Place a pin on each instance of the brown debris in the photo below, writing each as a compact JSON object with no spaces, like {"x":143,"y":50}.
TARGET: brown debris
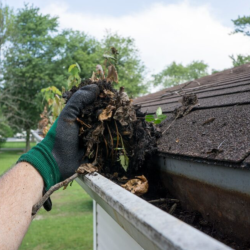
{"x":189,"y":99}
{"x":43,"y":123}
{"x":188,"y":103}
{"x":209,"y":121}
{"x":86,"y":168}
{"x":106,"y":113}
{"x":111,"y":132}
{"x":112,"y":74}
{"x":108,"y":93}
{"x":137,"y":186}
{"x":215,"y":151}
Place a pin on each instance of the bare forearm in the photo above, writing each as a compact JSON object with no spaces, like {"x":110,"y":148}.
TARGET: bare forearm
{"x":20,"y":189}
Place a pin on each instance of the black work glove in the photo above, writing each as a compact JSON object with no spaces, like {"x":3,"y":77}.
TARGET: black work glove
{"x":59,"y":154}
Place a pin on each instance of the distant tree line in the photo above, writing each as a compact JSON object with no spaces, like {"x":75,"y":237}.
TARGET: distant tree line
{"x":35,"y":55}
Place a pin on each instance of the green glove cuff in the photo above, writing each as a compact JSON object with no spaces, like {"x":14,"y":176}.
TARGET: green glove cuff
{"x":42,"y":159}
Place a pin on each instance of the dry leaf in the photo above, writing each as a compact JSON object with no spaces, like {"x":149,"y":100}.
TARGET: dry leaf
{"x":93,"y":77}
{"x":125,"y":115}
{"x":99,"y":71}
{"x":115,"y":175}
{"x":124,"y":97}
{"x":112,"y":74}
{"x":86,"y":168}
{"x":106,"y":113}
{"x":94,"y":138}
{"x":137,"y":186}
{"x":108,"y":93}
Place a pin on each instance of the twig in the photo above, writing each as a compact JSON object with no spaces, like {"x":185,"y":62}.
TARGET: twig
{"x":111,"y":138}
{"x":112,"y":143}
{"x":39,"y":204}
{"x":172,"y":209}
{"x":117,"y":133}
{"x":221,"y":144}
{"x":173,"y":200}
{"x":169,"y":126}
{"x":106,"y":144}
{"x":83,"y":123}
{"x":158,"y":200}
{"x":96,"y":153}
{"x":164,"y":200}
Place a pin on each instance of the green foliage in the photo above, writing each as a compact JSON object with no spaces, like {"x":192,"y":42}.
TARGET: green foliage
{"x":124,"y":160}
{"x":239,"y":60}
{"x":214,"y":71}
{"x":8,"y":159}
{"x":129,"y":67}
{"x":78,"y":47}
{"x":18,"y":145}
{"x":74,"y":78}
{"x":175,"y":74}
{"x":53,"y":97}
{"x":6,"y":24}
{"x":49,"y":93}
{"x":31,"y":63}
{"x":109,"y":57}
{"x":242,"y":25}
{"x":5,"y":129}
{"x":157,"y":118}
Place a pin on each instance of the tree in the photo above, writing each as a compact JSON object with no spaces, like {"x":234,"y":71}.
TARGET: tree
{"x":175,"y":74}
{"x":242,"y":25}
{"x":6,"y":31}
{"x":29,"y":65}
{"x":129,"y":66}
{"x":239,"y":60}
{"x":6,"y":25}
{"x":5,"y":129}
{"x":80,"y":48}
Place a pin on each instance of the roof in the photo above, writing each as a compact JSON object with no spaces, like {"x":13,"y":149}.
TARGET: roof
{"x":218,"y":126}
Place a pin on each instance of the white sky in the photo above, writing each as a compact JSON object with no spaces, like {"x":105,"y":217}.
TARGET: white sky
{"x":163,"y":33}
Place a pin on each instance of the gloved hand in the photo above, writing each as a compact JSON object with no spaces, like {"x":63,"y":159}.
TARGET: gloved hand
{"x":59,"y":154}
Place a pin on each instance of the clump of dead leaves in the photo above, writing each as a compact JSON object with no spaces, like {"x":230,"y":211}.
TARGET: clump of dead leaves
{"x":115,"y":135}
{"x":138,"y":186}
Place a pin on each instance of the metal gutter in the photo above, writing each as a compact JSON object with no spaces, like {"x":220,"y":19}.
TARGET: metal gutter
{"x":206,"y":161}
{"x":220,"y":193}
{"x":149,"y":226}
{"x":36,"y":135}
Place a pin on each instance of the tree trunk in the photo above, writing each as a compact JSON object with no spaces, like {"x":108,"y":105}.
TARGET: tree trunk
{"x":27,"y":140}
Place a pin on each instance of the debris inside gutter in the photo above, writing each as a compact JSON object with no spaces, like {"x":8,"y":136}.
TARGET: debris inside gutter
{"x":159,"y":197}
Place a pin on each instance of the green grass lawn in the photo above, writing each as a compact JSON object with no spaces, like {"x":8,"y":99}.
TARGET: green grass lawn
{"x":68,"y":226}
{"x":15,"y":144}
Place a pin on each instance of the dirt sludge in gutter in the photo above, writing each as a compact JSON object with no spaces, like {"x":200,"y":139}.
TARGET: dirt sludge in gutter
{"x":158,"y":197}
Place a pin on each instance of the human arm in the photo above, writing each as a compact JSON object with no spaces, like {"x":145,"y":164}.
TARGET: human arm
{"x":20,"y":188}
